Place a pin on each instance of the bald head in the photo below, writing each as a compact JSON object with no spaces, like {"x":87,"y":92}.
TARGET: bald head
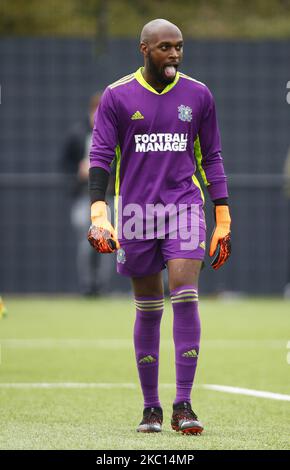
{"x":161,"y":44}
{"x":155,"y":29}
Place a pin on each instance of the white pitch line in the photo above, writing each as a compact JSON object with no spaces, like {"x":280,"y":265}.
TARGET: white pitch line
{"x":49,"y":343}
{"x":76,"y":385}
{"x":111,"y":343}
{"x":247,"y":391}
{"x":134,"y":386}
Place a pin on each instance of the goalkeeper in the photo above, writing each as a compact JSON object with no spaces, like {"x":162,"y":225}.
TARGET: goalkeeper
{"x":161,"y":126}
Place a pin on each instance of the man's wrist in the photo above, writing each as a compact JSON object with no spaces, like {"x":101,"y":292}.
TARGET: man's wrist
{"x":98,"y":183}
{"x":98,"y":209}
{"x":224,"y":201}
{"x":222,"y":215}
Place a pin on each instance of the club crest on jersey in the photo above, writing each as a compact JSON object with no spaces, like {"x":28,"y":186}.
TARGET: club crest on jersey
{"x":121,"y":257}
{"x":184,"y":113}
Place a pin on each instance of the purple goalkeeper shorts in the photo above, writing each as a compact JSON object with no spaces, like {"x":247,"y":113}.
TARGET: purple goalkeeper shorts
{"x":143,"y":257}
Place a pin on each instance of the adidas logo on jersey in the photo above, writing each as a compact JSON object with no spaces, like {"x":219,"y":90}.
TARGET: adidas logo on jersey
{"x":137,"y":115}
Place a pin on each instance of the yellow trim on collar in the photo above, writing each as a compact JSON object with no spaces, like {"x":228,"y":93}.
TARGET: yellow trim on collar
{"x":139,"y":77}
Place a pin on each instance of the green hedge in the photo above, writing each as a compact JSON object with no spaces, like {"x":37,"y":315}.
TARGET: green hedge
{"x":197,"y":18}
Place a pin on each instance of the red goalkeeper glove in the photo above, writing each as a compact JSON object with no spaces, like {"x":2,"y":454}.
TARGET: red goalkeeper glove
{"x":102,"y":235}
{"x":220,"y":244}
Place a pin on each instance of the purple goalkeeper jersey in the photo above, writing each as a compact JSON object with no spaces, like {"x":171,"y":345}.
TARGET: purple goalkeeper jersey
{"x":159,"y":141}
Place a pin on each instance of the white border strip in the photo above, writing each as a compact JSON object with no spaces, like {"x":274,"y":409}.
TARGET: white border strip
{"x":247,"y":391}
{"x":134,"y":386}
{"x":111,"y":343}
{"x":76,"y":385}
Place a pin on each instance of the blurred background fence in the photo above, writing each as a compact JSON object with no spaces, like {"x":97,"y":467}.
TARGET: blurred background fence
{"x":45,"y":88}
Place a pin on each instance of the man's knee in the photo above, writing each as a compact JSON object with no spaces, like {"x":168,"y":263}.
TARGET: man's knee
{"x":148,"y":285}
{"x":183,"y":272}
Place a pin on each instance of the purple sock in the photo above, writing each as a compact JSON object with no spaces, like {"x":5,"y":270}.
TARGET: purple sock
{"x":186,"y":335}
{"x":146,"y":341}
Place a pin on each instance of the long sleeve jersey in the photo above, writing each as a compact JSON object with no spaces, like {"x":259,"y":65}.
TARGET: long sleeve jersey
{"x":159,"y":141}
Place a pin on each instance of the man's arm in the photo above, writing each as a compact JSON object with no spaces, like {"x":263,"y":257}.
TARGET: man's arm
{"x":207,"y":149}
{"x":101,"y":234}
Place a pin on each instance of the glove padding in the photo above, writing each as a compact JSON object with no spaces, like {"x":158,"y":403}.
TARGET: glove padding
{"x":101,"y":234}
{"x":102,"y":240}
{"x":220,"y":245}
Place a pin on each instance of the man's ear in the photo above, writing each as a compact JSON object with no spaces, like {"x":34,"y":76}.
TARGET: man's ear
{"x":144,"y":48}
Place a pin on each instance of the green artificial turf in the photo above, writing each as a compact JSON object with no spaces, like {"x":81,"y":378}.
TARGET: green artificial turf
{"x":78,"y":341}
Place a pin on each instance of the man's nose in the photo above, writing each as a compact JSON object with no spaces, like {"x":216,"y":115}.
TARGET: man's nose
{"x":173,"y":53}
